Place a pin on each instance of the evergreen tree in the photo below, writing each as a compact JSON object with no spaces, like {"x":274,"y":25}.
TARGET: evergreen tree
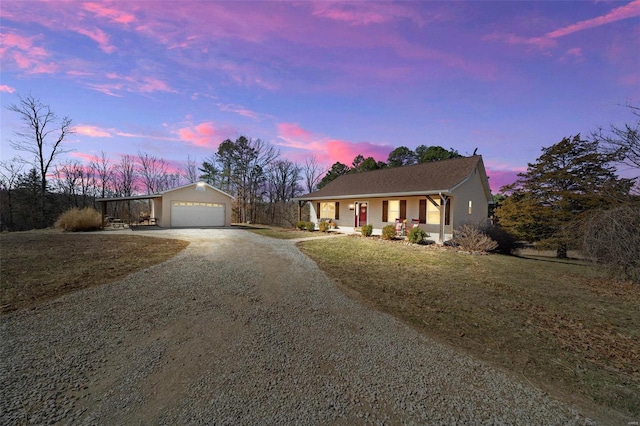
{"x":337,"y":169}
{"x":401,"y":156}
{"x":569,"y":179}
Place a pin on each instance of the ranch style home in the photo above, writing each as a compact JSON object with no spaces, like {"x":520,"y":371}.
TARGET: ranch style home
{"x":194,"y":205}
{"x":435,"y":196}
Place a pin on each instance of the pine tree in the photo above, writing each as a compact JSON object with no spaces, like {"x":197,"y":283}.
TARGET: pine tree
{"x":569,"y":179}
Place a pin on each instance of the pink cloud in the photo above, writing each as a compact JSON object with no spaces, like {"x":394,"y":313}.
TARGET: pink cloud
{"x":630,"y":10}
{"x":114,"y":15}
{"x":204,"y":135}
{"x":92,"y":131}
{"x":23,"y":53}
{"x":292,"y":131}
{"x":345,"y":152}
{"x":119,"y":83}
{"x":6,"y":89}
{"x":327,"y":150}
{"x":98,"y":36}
{"x":356,"y":13}
{"x":242,"y":111}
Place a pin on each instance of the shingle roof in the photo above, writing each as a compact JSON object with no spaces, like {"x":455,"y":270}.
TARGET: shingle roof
{"x":416,"y":179}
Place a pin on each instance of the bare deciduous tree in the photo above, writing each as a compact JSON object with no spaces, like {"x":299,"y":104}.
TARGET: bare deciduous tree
{"x":190,"y":171}
{"x":125,"y":177}
{"x":153,"y":171}
{"x":312,"y":173}
{"x":103,"y":172}
{"x":9,"y":175}
{"x":43,"y":137}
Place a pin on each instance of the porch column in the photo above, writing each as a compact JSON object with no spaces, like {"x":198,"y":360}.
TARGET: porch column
{"x":443,"y":216}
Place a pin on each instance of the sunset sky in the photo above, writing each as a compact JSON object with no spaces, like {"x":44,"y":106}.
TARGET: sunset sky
{"x":330,"y":79}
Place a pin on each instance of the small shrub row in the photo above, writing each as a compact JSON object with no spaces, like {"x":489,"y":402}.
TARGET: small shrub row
{"x":305,"y":226}
{"x":78,"y":220}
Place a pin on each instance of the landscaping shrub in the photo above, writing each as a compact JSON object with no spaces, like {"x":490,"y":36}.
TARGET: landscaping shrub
{"x":471,"y":238}
{"x":75,"y":219}
{"x":311,"y":226}
{"x":367,"y":230}
{"x":323,"y":226}
{"x":611,"y":238}
{"x":301,"y":225}
{"x":506,"y":241}
{"x":417,"y":235}
{"x":388,"y":232}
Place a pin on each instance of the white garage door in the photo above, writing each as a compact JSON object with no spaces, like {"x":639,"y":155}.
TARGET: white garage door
{"x":194,"y":213}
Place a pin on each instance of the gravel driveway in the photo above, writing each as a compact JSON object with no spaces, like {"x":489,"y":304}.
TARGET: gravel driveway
{"x":242,"y":329}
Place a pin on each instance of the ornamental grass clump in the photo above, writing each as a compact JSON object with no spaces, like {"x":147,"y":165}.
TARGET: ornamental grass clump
{"x":367,"y":230}
{"x":471,"y":238}
{"x":388,"y":232}
{"x":78,"y":220}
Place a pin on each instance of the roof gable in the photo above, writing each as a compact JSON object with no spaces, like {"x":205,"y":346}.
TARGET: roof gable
{"x":196,"y":184}
{"x":433,"y":177}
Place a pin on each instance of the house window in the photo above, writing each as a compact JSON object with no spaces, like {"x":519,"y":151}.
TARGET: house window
{"x":433,"y":212}
{"x":393,"y":210}
{"x":470,"y":207}
{"x":328,"y":210}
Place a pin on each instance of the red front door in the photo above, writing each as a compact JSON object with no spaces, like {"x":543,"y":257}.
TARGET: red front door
{"x":362,"y":218}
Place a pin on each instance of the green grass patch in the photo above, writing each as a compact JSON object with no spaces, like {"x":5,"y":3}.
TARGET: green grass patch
{"x":562,"y":326}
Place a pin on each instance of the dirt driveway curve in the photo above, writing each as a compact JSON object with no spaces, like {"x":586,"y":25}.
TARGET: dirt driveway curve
{"x":242,"y":329}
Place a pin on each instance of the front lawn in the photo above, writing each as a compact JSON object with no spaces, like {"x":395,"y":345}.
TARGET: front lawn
{"x":562,"y":326}
{"x":41,"y":265}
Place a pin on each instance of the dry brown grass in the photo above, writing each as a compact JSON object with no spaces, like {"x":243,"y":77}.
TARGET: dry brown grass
{"x":561,"y":326}
{"x":40,"y":265}
{"x":77,"y":220}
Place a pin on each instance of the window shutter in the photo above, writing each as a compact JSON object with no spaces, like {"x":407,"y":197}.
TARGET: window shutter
{"x":385,"y":207}
{"x":423,"y":211}
{"x":403,"y":209}
{"x":337,"y":210}
{"x":317,"y":210}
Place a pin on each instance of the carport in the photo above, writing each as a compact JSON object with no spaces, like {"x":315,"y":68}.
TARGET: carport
{"x":193,"y":205}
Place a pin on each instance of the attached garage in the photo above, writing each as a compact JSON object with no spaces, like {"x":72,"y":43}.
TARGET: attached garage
{"x":194,"y":213}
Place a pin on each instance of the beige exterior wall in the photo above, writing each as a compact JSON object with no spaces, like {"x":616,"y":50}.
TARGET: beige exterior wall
{"x":470,"y":191}
{"x":190,"y":193}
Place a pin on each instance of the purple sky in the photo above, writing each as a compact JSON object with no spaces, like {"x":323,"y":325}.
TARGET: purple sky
{"x":330,"y":79}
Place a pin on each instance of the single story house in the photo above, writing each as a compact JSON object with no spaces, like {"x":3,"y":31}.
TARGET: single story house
{"x":193,"y":205}
{"x":435,"y":196}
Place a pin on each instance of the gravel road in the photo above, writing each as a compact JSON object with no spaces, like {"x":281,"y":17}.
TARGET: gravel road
{"x":242,"y":329}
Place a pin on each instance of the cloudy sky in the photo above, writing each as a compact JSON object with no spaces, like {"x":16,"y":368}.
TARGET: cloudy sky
{"x":329,"y":79}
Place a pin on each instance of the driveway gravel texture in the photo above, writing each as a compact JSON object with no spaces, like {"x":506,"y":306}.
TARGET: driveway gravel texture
{"x":243,"y":329}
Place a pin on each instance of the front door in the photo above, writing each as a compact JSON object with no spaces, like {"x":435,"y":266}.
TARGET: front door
{"x":362,"y":217}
